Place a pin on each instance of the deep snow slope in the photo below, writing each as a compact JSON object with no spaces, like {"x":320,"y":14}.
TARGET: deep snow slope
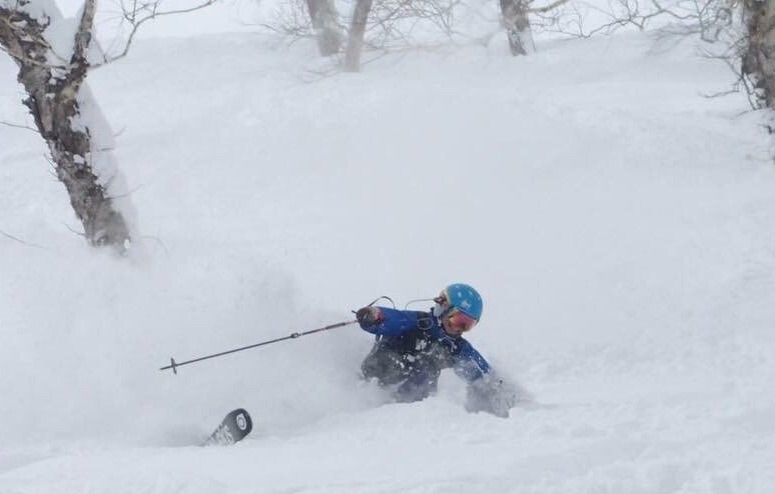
{"x":617,"y":222}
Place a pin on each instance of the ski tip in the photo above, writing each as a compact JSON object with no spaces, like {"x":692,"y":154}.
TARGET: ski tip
{"x":233,"y":428}
{"x":243,"y":420}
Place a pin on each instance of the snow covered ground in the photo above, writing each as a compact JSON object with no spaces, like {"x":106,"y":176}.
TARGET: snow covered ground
{"x":617,"y":222}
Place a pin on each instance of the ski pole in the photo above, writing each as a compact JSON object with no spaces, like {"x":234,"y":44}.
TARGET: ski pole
{"x":174,"y":365}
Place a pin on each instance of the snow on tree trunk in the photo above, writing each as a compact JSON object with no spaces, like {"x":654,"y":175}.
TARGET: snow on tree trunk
{"x":352,"y":60}
{"x":517,"y":24}
{"x":52,"y":55}
{"x":324,"y":22}
{"x":758,"y":61}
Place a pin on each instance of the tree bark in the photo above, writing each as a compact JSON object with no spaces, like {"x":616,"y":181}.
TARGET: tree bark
{"x":758,"y":61}
{"x":515,"y":19}
{"x":352,"y":60}
{"x":323,"y":15}
{"x":54,"y":100}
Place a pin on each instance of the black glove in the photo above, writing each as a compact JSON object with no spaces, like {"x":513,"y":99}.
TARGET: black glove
{"x":368,"y":316}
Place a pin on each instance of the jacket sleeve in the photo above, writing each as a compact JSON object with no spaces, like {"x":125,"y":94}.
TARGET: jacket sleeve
{"x":394,"y":322}
{"x":469,"y":364}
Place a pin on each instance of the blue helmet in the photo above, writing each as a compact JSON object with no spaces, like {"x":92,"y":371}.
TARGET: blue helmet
{"x":461,"y":297}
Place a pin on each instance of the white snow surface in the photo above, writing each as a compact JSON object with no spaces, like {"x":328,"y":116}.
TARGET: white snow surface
{"x":617,"y":222}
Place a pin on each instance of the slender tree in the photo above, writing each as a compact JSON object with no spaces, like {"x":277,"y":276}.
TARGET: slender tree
{"x":325,"y":23}
{"x":758,"y":58}
{"x":515,"y":19}
{"x":352,"y":56}
{"x":53,"y":73}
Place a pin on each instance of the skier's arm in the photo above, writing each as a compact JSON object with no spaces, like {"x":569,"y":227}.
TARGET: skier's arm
{"x":384,"y":321}
{"x":487,"y":392}
{"x":469,"y":364}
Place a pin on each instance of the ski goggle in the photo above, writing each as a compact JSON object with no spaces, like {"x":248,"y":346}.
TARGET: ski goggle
{"x":459,"y":321}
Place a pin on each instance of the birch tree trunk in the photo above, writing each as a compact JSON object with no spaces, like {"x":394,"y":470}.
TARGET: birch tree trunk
{"x":324,"y":22}
{"x":352,"y":60}
{"x":66,"y":115}
{"x":758,"y":61}
{"x":515,"y":19}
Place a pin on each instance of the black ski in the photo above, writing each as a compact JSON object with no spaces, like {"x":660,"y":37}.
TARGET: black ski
{"x":233,"y":428}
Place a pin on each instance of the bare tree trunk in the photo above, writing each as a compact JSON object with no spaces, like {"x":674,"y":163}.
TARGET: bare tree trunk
{"x":324,"y":22}
{"x":758,"y":61}
{"x":352,"y":60}
{"x":517,"y":24}
{"x":55,"y":96}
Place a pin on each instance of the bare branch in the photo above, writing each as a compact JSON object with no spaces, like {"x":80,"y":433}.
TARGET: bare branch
{"x":546,"y":8}
{"x":134,"y":16}
{"x":158,"y":241}
{"x":17,"y":239}
{"x":127,"y":194}
{"x":17,"y":126}
{"x":73,"y":230}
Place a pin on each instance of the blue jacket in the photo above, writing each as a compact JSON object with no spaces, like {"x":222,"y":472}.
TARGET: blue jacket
{"x":405,"y":331}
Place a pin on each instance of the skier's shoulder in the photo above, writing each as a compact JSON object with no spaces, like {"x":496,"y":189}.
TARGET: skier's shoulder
{"x":389,"y":313}
{"x":395,"y":322}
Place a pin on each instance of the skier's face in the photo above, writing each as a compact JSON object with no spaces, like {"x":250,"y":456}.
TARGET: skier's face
{"x":456,"y":323}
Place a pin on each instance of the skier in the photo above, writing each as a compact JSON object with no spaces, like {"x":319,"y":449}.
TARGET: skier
{"x":413,"y":347}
